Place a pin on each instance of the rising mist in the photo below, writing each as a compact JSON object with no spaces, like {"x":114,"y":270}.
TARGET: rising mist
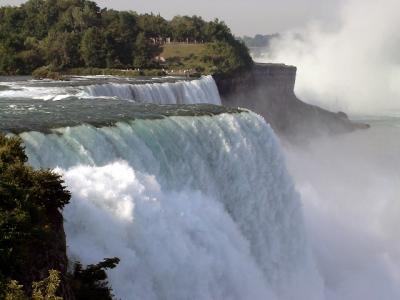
{"x":350,"y":190}
{"x":352,"y":64}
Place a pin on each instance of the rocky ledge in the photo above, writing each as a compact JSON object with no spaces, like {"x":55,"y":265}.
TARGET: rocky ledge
{"x":268,"y":89}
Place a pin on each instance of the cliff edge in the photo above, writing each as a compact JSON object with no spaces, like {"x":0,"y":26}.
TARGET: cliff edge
{"x":268,"y":89}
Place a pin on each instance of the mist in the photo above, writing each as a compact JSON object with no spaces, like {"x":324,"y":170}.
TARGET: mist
{"x":350,"y":184}
{"x":350,"y":190}
{"x":351,"y":64}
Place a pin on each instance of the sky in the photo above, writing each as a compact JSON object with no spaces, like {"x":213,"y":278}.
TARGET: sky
{"x":247,"y":17}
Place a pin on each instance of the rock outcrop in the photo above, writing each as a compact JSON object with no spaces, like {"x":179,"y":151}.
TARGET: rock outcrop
{"x":268,"y":89}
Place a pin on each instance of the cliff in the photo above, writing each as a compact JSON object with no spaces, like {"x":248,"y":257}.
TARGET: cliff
{"x":268,"y":89}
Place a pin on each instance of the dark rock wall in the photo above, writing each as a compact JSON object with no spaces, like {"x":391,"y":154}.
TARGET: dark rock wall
{"x":268,"y":89}
{"x":45,"y":256}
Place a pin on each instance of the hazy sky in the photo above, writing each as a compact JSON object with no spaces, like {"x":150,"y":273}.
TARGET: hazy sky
{"x":243,"y":16}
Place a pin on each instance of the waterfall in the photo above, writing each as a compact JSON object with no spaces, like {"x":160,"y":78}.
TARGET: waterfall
{"x":203,"y":90}
{"x":195,"y":207}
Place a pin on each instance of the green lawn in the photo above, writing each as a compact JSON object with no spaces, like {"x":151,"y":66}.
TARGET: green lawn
{"x":181,"y":57}
{"x":182,"y":50}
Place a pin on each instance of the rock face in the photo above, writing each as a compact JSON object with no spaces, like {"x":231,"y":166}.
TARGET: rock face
{"x":268,"y":89}
{"x":50,"y":256}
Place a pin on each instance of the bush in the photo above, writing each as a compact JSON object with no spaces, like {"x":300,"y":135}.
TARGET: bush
{"x":46,"y":73}
{"x":42,"y":290}
{"x":227,"y":58}
{"x":29,"y":215}
{"x":32,"y":236}
{"x":91,"y":283}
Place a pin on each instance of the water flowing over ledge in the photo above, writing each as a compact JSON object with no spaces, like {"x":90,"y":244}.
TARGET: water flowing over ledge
{"x":196,"y":207}
{"x":203,"y":90}
{"x":160,"y":90}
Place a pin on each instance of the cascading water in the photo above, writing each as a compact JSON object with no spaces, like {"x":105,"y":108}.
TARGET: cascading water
{"x":156,"y":91}
{"x":195,"y":207}
{"x":203,"y":90}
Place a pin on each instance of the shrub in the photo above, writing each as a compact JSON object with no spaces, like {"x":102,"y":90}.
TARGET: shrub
{"x":46,"y":73}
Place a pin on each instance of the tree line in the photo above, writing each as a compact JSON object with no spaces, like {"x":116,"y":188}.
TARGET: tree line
{"x":63,"y":34}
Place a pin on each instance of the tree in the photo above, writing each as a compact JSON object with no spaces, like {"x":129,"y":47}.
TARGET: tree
{"x":31,"y":234}
{"x":120,"y":33}
{"x":153,"y":26}
{"x":145,"y":52}
{"x":182,"y":28}
{"x":8,"y":61}
{"x":61,"y":49}
{"x":92,"y":48}
{"x":91,"y":283}
{"x":217,"y":31}
{"x":30,"y":216}
{"x":228,"y":58}
{"x":54,"y":35}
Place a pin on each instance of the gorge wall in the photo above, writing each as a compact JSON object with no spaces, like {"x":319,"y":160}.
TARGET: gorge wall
{"x":268,"y":89}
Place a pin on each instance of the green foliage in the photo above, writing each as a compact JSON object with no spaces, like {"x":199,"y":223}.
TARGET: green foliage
{"x":61,"y":49}
{"x":41,"y":290}
{"x":120,"y":30}
{"x":92,"y":48}
{"x":29,"y":212}
{"x":47,"y":288}
{"x":91,"y":283}
{"x":153,"y":26}
{"x":227,"y":58}
{"x":46,"y":72}
{"x":87,"y":283}
{"x":29,"y":200}
{"x":14,"y":291}
{"x":8,"y":61}
{"x":144,"y":52}
{"x":65,"y":34}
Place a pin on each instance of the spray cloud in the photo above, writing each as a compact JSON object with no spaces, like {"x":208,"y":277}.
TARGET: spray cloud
{"x":352,"y":66}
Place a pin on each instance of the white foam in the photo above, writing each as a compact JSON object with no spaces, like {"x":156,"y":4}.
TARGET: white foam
{"x":172,"y":245}
{"x":202,"y":207}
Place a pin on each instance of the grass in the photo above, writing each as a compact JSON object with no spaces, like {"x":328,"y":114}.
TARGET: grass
{"x":180,"y":57}
{"x":182,"y":50}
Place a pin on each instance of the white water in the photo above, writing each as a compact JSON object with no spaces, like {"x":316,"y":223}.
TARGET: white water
{"x":195,"y":207}
{"x":39,"y":92}
{"x":203,"y":90}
